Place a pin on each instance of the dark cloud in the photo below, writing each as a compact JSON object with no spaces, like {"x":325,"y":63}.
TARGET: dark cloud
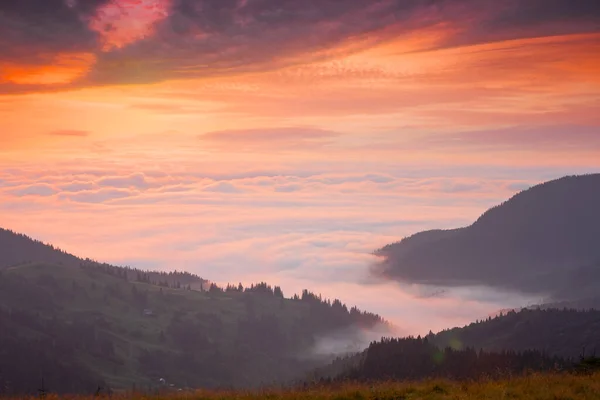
{"x":216,"y":37}
{"x":33,"y":30}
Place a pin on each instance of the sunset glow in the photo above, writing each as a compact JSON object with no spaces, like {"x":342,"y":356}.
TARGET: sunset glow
{"x":284,"y":141}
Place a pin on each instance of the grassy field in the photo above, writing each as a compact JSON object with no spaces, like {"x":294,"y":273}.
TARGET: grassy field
{"x":533,"y":387}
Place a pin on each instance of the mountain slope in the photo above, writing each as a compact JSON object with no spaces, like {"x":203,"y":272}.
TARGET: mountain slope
{"x":417,"y":358}
{"x":545,"y":240}
{"x":18,"y":249}
{"x":95,"y":324}
{"x":564,"y":333}
{"x":542,"y":336}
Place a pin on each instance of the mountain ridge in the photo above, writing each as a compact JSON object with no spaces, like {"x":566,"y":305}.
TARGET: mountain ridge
{"x":96,"y":324}
{"x":543,"y":240}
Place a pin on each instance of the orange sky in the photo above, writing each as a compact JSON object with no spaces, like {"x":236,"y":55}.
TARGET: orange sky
{"x":290,"y":138}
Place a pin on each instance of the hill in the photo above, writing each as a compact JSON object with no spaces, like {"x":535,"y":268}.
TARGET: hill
{"x":417,"y":358}
{"x":530,"y":338}
{"x":543,"y":241}
{"x":18,"y":249}
{"x":566,"y":333}
{"x":79,"y":324}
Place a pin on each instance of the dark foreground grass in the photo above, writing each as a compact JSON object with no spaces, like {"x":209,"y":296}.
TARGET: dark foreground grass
{"x":532,"y":387}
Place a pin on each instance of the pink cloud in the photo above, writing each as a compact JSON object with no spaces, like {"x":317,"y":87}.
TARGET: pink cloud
{"x":122,"y":22}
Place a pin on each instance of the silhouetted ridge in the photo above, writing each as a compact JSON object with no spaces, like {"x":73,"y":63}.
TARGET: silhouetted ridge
{"x":543,"y":241}
{"x":16,"y":248}
{"x":561,"y":332}
{"x":417,"y":358}
{"x":511,"y":342}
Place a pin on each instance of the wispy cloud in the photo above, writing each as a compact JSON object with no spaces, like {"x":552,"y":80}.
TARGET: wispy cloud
{"x":269,"y":139}
{"x":70,"y":132}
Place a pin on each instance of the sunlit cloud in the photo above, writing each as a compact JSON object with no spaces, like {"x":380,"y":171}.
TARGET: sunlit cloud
{"x":121,"y":22}
{"x":56,"y":69}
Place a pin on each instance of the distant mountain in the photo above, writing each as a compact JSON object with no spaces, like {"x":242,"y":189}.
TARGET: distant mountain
{"x":417,"y":358}
{"x":543,"y":241}
{"x":557,"y":332}
{"x":78,"y":324}
{"x":510,"y":342}
{"x":18,"y":249}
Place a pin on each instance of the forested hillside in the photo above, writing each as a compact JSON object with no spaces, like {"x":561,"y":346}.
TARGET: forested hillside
{"x":533,"y":339}
{"x":417,"y":358}
{"x":542,"y":241}
{"x":563,"y":333}
{"x":80,"y":326}
{"x":18,"y":249}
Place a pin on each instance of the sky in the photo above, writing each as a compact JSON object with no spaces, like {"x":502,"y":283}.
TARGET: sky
{"x":284,"y":140}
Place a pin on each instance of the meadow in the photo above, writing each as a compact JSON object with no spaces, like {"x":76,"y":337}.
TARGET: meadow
{"x":554,"y":386}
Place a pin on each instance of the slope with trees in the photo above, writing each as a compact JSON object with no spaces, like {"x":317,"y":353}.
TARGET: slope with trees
{"x":101,"y":325}
{"x":417,"y":358}
{"x":566,"y":333}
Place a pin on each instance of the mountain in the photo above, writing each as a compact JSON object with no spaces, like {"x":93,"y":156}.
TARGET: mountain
{"x":543,"y":241}
{"x":79,"y":325}
{"x":537,"y":339}
{"x":411,"y":359}
{"x":18,"y":249}
{"x":557,"y":332}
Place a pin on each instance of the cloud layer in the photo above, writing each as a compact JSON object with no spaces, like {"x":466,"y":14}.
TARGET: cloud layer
{"x":318,"y":233}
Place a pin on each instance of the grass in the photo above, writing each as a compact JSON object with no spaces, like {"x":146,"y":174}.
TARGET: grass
{"x":532,"y":387}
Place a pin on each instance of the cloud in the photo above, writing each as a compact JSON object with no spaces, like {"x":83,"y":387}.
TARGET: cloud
{"x":560,"y":137}
{"x":137,"y":181}
{"x":319,"y":238}
{"x":269,"y":139}
{"x":518,"y":186}
{"x":97,"y":196}
{"x":341,"y":179}
{"x":223,"y":187}
{"x":40,"y":189}
{"x":186,"y":38}
{"x":70,"y":133}
{"x":288,"y":188}
{"x":77,"y":186}
{"x":168,"y":108}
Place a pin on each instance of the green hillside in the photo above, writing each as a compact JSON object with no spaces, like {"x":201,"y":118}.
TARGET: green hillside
{"x":94,"y":326}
